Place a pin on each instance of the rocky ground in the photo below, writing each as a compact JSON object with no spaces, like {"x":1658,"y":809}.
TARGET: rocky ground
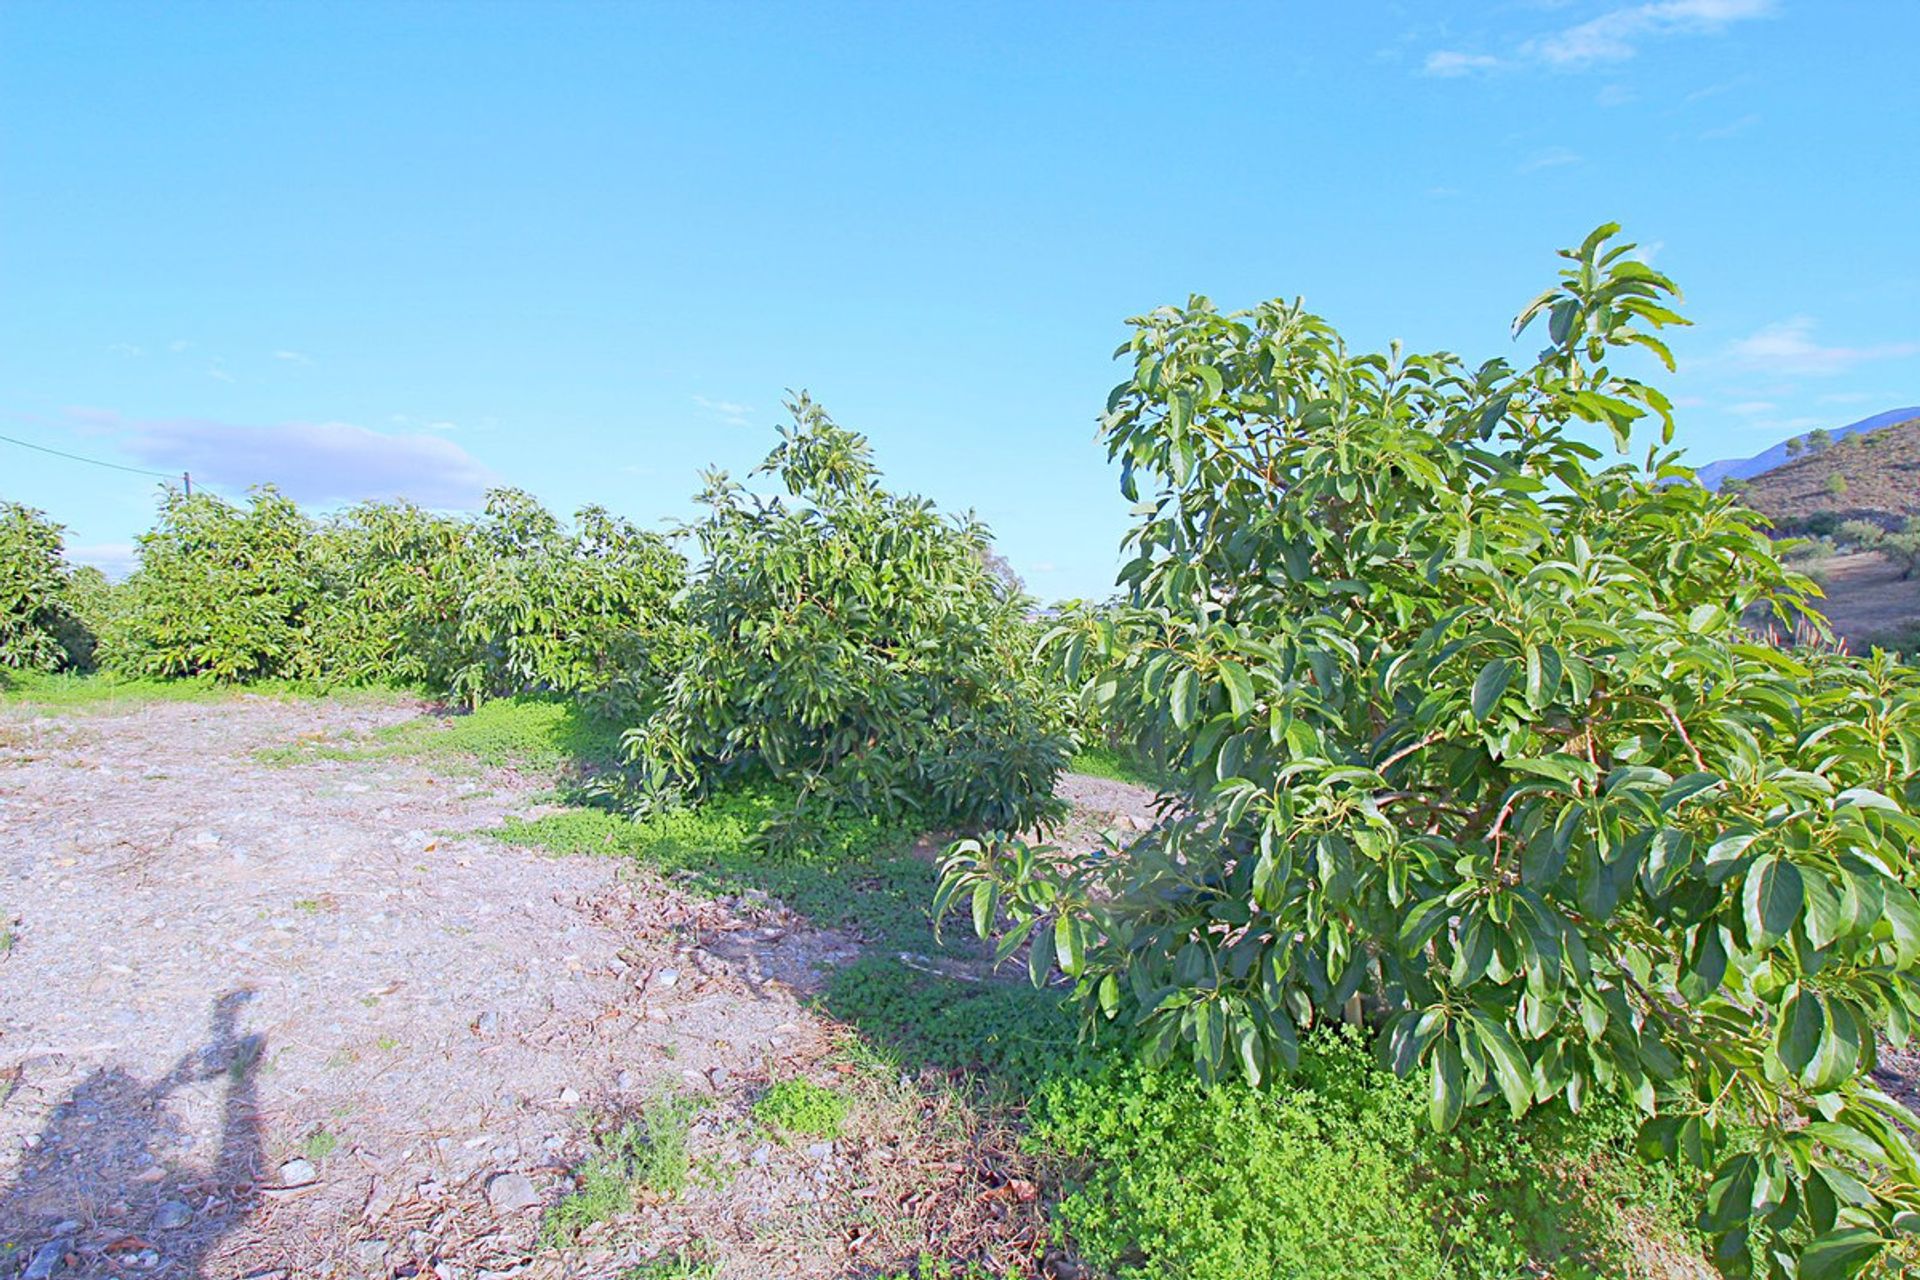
{"x":261,"y":1020}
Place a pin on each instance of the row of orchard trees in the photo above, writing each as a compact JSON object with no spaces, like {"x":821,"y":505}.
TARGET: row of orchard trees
{"x":853,"y":643}
{"x":510,"y":601}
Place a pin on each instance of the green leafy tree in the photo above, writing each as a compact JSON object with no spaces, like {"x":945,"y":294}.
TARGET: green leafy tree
{"x":1837,"y":485}
{"x":1477,"y":750}
{"x":1818,"y":440}
{"x":857,"y":645}
{"x":221,"y":591}
{"x":1796,"y":447}
{"x":512,"y":602}
{"x":40,"y":625}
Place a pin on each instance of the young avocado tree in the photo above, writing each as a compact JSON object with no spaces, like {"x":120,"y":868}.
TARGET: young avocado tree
{"x":858,"y":646}
{"x":1476,"y":747}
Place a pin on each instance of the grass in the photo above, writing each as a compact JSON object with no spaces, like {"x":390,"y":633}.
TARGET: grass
{"x":532,"y":733}
{"x":319,"y":1145}
{"x":688,"y":1262}
{"x":1118,"y":765}
{"x":647,"y":1153}
{"x":69,"y":691}
{"x":800,"y":1106}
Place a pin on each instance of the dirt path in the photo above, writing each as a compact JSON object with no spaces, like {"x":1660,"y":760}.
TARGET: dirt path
{"x":259,"y":1020}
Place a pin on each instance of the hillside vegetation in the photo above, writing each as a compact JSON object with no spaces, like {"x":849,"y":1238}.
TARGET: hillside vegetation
{"x":1869,"y":476}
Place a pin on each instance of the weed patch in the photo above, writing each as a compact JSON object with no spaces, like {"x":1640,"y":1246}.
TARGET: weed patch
{"x":647,"y":1154}
{"x":800,"y":1106}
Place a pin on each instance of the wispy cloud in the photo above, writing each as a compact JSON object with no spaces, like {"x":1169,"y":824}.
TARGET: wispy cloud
{"x":178,"y":345}
{"x":1789,"y":347}
{"x":1731,"y":129}
{"x":1615,"y":95}
{"x":728,"y":411}
{"x":1452,"y":62}
{"x":1748,"y":408}
{"x":1612,"y":37}
{"x":127,"y":349}
{"x":313,"y":462}
{"x":1551,"y":158}
{"x":219,"y":374}
{"x":293,"y":357}
{"x":1617,"y":35}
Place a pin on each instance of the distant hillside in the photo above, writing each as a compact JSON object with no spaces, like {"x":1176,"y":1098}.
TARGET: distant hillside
{"x":1743,"y":468}
{"x":1878,"y":479}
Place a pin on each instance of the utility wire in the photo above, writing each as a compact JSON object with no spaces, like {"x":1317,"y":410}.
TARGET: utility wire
{"x":139,"y":471}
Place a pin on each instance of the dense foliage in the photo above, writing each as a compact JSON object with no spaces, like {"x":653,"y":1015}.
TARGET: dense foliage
{"x":1337,"y":1174}
{"x":222,"y":591}
{"x":1476,"y":747}
{"x":857,"y":645}
{"x":42,"y":601}
{"x":512,"y":601}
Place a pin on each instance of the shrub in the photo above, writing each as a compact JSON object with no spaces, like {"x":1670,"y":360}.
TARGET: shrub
{"x":222,"y":591}
{"x":42,"y":627}
{"x":1334,"y":1173}
{"x":1477,"y":747}
{"x":856,"y":645}
{"x":1859,"y":533}
{"x":1837,"y":485}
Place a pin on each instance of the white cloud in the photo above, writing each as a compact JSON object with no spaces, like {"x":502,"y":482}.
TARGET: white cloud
{"x":115,"y":559}
{"x":218,"y":374}
{"x":127,"y":349}
{"x":1748,"y":408}
{"x":317,"y":462}
{"x":178,"y":345}
{"x":1551,"y":158}
{"x":728,"y":411}
{"x":1452,"y":62}
{"x":1789,"y":347}
{"x":1649,"y":251}
{"x":1616,"y":35}
{"x":1851,"y":397}
{"x":1615,"y":95}
{"x":1045,"y":566}
{"x":293,"y":357}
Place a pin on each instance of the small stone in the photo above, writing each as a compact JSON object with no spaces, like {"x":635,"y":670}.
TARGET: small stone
{"x":569,"y":1096}
{"x":297,"y":1173}
{"x":368,"y":1253}
{"x":67,"y":1228}
{"x":820,"y":1150}
{"x":666,"y":978}
{"x":719,"y":1076}
{"x":487,"y":1024}
{"x":45,"y":1259}
{"x":511,"y":1192}
{"x":761,"y":1154}
{"x":171,"y":1216}
{"x":626,"y":1082}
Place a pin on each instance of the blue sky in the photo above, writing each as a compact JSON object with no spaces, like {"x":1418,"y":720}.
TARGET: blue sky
{"x":584,"y":248}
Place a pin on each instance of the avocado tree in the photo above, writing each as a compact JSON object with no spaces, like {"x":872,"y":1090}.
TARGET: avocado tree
{"x":859,"y":647}
{"x":1475,"y":747}
{"x":40,"y":629}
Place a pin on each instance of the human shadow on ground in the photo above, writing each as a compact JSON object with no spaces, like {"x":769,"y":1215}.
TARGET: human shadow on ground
{"x":110,"y":1186}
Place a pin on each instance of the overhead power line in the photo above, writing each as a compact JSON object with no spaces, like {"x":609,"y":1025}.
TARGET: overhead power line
{"x":97,"y":462}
